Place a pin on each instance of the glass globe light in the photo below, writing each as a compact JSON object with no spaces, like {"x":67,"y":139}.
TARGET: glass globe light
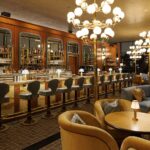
{"x":93,"y":36}
{"x":148,"y":34}
{"x":78,"y":34}
{"x":143,"y":34}
{"x":103,"y":35}
{"x":84,"y":5}
{"x":97,"y":30}
{"x":85,"y":31}
{"x":110,"y":1}
{"x":79,"y":2}
{"x":116,"y":19}
{"x":109,"y":22}
{"x":103,"y":3}
{"x":70,"y":15}
{"x":116,"y":11}
{"x":86,"y":22}
{"x":78,"y":11}
{"x":96,"y":22}
{"x":148,"y":50}
{"x":106,"y":9}
{"x":109,"y":31}
{"x":91,"y":9}
{"x":76,"y":21}
{"x":121,"y":15}
{"x":95,"y":5}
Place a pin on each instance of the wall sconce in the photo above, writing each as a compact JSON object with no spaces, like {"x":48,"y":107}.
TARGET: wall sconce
{"x":25,"y":73}
{"x":98,"y":71}
{"x":58,"y":71}
{"x":81,"y":70}
{"x":110,"y":70}
{"x":135,"y":106}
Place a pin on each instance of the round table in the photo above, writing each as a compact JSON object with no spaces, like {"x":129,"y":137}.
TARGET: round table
{"x":124,"y":121}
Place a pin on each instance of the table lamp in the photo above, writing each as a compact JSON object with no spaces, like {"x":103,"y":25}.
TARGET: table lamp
{"x":81,"y":70}
{"x":110,"y":70}
{"x":120,"y":70}
{"x":98,"y":71}
{"x":25,"y":72}
{"x":58,"y":71}
{"x":135,"y":106}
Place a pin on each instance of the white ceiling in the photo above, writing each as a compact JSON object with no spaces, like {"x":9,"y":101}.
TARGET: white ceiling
{"x":52,"y":13}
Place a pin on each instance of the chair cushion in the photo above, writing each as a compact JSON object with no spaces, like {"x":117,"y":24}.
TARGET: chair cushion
{"x":139,"y":94}
{"x":26,"y":96}
{"x":77,"y":119}
{"x":145,"y":106}
{"x":109,"y":107}
{"x":62,"y":89}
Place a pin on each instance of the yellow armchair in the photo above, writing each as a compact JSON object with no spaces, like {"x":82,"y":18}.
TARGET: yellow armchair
{"x":135,"y":143}
{"x":91,"y":136}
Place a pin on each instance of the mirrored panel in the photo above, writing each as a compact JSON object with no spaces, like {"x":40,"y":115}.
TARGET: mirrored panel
{"x":72,"y":48}
{"x":5,"y":49}
{"x":30,"y":51}
{"x":55,"y":53}
{"x":88,"y":55}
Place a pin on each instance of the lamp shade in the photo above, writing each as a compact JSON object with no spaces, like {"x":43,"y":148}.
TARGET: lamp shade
{"x":81,"y":70}
{"x":135,"y":104}
{"x":25,"y":71}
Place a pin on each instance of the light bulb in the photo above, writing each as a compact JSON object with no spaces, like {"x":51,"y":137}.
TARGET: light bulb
{"x":121,"y":15}
{"x":86,"y":22}
{"x":106,"y":9}
{"x":109,"y":31}
{"x":116,"y":19}
{"x":85,"y":31}
{"x":103,"y":35}
{"x":109,"y":21}
{"x":93,"y":36}
{"x":78,"y":11}
{"x":143,"y":34}
{"x":78,"y":34}
{"x":91,"y":9}
{"x":96,"y":6}
{"x":79,"y":2}
{"x":70,"y":15}
{"x":116,"y":11}
{"x":110,"y":1}
{"x":84,"y":5}
{"x":97,"y":30}
{"x":76,"y":21}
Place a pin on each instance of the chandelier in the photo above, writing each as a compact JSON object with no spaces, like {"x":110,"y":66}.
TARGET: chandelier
{"x":94,"y":27}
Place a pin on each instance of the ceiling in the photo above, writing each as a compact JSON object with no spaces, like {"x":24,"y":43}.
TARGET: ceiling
{"x":52,"y":13}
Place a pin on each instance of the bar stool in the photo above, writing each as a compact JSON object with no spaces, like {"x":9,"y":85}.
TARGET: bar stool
{"x":52,"y":89}
{"x":88,"y":86}
{"x":106,"y":83}
{"x":33,"y":89}
{"x":65,"y":89}
{"x":4,"y":89}
{"x":101,"y":83}
{"x":77,"y":88}
{"x":118,"y":80}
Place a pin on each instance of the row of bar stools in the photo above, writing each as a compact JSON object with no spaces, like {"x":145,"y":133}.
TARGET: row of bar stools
{"x":88,"y":86}
{"x":52,"y":89}
{"x":33,"y":89}
{"x":4,"y":89}
{"x":101,"y":83}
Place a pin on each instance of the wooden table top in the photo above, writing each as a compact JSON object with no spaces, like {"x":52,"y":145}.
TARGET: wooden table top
{"x":124,"y":121}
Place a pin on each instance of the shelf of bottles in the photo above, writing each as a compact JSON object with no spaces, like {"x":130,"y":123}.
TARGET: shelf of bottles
{"x":88,"y":55}
{"x":30,"y":51}
{"x":55,"y":53}
{"x":5,"y":48}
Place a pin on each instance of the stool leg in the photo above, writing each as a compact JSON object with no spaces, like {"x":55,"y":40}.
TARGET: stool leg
{"x":0,"y":117}
{"x":119,"y":87}
{"x":64,"y":103}
{"x":88,"y":96}
{"x":106,"y":91}
{"x":48,"y":107}
{"x":113,"y":88}
{"x":76,"y":98}
{"x":29,"y":116}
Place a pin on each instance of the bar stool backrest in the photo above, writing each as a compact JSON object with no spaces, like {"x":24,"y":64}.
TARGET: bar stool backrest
{"x":102,"y":78}
{"x":110,"y":78}
{"x":80,"y":82}
{"x":34,"y":87}
{"x":4,"y":89}
{"x":92,"y":80}
{"x":117,"y":77}
{"x":124,"y":76}
{"x":68,"y":83}
{"x":53,"y":85}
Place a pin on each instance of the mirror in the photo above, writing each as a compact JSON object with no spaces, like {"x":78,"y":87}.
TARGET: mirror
{"x":30,"y":51}
{"x":55,"y":53}
{"x":5,"y":49}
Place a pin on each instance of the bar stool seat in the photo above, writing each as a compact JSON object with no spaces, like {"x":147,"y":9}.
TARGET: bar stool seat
{"x":4,"y":89}
{"x":33,"y":89}
{"x":52,"y":89}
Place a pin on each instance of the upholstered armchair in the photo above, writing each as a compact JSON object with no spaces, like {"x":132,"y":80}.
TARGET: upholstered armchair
{"x":135,"y":143}
{"x":91,"y":136}
{"x":124,"y":105}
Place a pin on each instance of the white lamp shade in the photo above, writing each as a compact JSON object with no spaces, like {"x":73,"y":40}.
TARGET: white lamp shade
{"x":78,"y":11}
{"x":106,"y":9}
{"x":85,"y":31}
{"x":81,"y":70}
{"x":91,"y":9}
{"x":98,"y":69}
{"x":93,"y":36}
{"x":25,"y":71}
{"x":58,"y":71}
{"x":116,"y":11}
{"x":97,"y":30}
{"x":135,"y":104}
{"x":84,"y":5}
